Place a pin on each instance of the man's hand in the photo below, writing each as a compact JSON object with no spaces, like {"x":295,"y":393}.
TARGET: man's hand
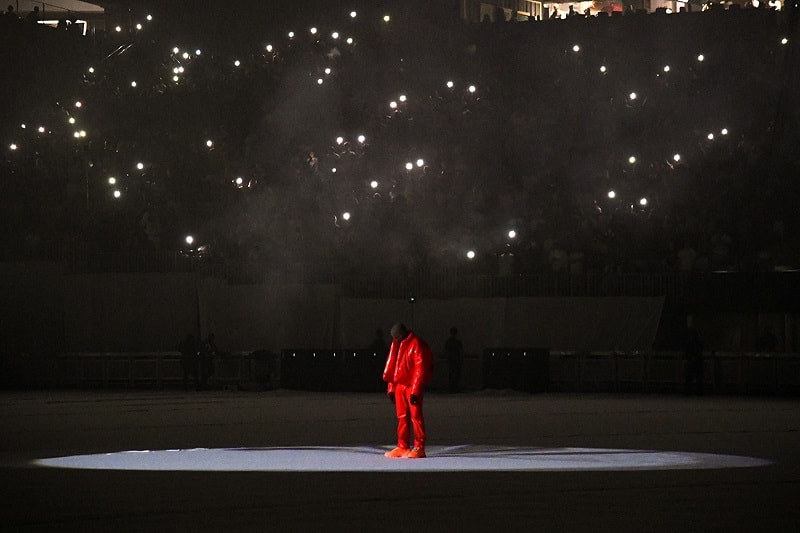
{"x":391,"y":396}
{"x":414,"y":399}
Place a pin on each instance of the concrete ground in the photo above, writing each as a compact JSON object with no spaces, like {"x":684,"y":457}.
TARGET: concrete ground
{"x":568,"y":479}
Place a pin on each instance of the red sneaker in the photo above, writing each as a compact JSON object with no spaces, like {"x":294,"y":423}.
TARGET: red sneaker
{"x":415,"y":453}
{"x":397,"y":453}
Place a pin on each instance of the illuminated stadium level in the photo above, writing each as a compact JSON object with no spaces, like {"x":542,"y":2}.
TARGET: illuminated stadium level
{"x":53,"y":23}
{"x":370,"y":459}
{"x":523,"y":10}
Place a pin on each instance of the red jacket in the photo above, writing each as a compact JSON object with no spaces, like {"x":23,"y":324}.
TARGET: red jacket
{"x":410,"y":363}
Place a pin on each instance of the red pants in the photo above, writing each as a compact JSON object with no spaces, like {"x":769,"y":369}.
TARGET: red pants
{"x":402,"y":402}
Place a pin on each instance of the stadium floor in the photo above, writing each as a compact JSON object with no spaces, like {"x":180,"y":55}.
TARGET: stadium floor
{"x":300,"y":461}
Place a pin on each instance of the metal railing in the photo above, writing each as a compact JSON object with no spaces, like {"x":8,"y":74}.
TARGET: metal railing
{"x":743,"y":373}
{"x":148,"y":369}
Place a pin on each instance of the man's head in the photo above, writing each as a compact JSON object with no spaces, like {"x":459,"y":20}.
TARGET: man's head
{"x":399,"y":331}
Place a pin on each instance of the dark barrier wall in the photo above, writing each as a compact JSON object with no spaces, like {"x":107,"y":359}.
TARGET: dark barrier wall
{"x":523,"y":369}
{"x":45,"y":311}
{"x":332,"y":370}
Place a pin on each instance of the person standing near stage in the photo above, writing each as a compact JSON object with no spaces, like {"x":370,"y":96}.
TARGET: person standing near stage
{"x":693,"y":351}
{"x":408,"y":370}
{"x":378,"y":345}
{"x":190,"y":360}
{"x":208,"y":353}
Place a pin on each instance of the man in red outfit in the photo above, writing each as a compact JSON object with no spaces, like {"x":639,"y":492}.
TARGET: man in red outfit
{"x":408,"y":369}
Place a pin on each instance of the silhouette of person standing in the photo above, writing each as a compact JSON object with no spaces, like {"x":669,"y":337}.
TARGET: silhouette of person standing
{"x":378,"y":344}
{"x":693,"y":351}
{"x":454,"y":353}
{"x":208,"y":352}
{"x":190,"y":360}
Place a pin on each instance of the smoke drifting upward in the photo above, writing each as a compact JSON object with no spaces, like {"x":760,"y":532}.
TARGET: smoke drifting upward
{"x":286,"y":133}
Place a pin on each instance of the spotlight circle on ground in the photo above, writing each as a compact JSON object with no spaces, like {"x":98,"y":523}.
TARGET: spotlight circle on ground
{"x":463,"y":458}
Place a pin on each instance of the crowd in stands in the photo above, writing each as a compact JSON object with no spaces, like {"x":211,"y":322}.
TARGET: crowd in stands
{"x":392,"y":145}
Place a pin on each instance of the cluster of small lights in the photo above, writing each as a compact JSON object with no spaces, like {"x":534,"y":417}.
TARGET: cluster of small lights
{"x":138,"y":26}
{"x":180,"y":59}
{"x":361,"y":139}
{"x":395,"y":104}
{"x":115,"y":192}
{"x":471,"y":89}
{"x":723,"y":132}
{"x":419,"y":164}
